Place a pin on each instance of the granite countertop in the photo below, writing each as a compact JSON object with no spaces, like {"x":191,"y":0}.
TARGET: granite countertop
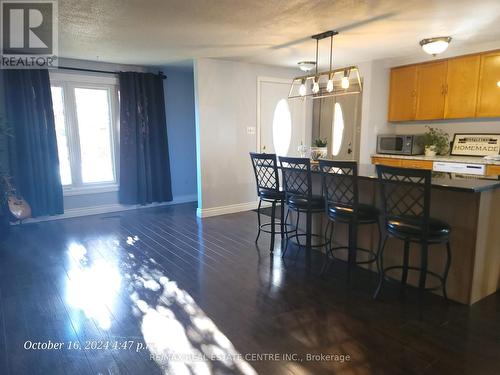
{"x":440,"y":180}
{"x":448,"y":158}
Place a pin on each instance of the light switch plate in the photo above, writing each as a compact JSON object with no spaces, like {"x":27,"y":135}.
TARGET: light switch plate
{"x":251,"y":130}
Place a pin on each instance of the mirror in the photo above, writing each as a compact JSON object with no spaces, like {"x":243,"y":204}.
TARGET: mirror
{"x":338,"y":120}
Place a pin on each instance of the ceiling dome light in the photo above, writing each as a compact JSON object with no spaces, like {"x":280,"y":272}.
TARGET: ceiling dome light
{"x":434,"y":46}
{"x":306,"y":66}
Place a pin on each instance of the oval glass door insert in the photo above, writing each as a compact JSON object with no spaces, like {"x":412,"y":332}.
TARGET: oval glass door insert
{"x":337,"y":130}
{"x":282,"y":128}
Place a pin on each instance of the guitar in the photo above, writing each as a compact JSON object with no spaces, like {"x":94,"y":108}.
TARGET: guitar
{"x":18,"y":207}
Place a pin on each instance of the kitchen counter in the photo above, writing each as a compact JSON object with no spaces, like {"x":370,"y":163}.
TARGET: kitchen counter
{"x":440,"y":180}
{"x":448,"y":158}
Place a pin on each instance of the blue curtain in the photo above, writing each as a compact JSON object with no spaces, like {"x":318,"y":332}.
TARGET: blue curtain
{"x":144,"y":159}
{"x":34,"y":162}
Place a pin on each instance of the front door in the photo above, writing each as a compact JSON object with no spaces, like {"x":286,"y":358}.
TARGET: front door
{"x":282,"y":122}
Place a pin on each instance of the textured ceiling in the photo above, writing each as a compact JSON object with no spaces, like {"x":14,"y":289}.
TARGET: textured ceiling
{"x":274,"y":32}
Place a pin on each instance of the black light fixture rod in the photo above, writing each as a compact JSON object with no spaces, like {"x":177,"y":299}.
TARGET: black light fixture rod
{"x":317,"y":41}
{"x":331,"y":50}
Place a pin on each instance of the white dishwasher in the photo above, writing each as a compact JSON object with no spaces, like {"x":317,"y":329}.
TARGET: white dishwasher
{"x":465,"y":168}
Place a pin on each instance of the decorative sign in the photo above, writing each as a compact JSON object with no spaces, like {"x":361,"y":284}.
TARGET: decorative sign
{"x":476,"y":144}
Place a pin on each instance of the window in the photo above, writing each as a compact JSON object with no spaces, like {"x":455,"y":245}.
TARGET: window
{"x":338,"y":129}
{"x":282,"y":128}
{"x":85,"y":112}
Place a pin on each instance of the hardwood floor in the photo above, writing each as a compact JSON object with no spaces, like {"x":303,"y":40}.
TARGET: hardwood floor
{"x":194,"y":290}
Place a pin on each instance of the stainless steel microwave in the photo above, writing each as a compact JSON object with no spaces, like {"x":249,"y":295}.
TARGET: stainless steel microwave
{"x":400,"y":144}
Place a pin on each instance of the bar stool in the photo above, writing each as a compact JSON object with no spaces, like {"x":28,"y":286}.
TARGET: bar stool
{"x":406,"y":198}
{"x":299,"y":197}
{"x":265,"y":169}
{"x":340,"y":190}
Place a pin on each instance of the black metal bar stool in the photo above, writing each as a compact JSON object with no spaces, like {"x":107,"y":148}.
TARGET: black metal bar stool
{"x":340,"y":190}
{"x":265,"y":169}
{"x":297,"y":183}
{"x":406,"y":199}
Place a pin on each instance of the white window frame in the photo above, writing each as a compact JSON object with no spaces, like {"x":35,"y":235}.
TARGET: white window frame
{"x":68,"y":82}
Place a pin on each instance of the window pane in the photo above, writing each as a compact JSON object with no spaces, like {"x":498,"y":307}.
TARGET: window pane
{"x":94,"y":128}
{"x":62,"y":138}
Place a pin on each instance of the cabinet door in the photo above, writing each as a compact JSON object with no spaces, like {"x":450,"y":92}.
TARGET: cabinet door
{"x":488,"y":102}
{"x":462,"y":84}
{"x":417,"y":164}
{"x":386,"y":161}
{"x":402,"y":93}
{"x":431,"y":80}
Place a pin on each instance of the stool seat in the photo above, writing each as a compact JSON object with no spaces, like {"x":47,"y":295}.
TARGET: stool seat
{"x":302,"y":203}
{"x":411,"y":227}
{"x":345,"y":214}
{"x":271,"y":194}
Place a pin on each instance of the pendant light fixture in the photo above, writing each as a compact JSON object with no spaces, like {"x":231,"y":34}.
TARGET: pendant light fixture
{"x":337,"y":80}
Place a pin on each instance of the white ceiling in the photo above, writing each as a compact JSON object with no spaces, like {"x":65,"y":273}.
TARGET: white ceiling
{"x":274,"y":32}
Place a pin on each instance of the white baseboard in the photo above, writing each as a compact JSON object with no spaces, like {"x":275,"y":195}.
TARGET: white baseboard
{"x":230,"y":209}
{"x":108,"y":208}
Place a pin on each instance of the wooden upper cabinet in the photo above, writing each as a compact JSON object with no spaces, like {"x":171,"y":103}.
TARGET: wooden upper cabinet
{"x":488,"y":101}
{"x":431,"y":86}
{"x":462,"y":83}
{"x":460,"y":87}
{"x":402,"y":97}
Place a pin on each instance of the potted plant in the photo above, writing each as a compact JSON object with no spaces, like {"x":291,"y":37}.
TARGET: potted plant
{"x":320,"y":149}
{"x":436,"y":142}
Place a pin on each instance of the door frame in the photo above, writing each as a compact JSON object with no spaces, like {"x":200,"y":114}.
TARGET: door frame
{"x":260,"y":80}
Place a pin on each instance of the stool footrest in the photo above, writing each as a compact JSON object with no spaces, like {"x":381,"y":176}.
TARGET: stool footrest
{"x":412,"y":268}
{"x":297,"y":235}
{"x":363,"y":250}
{"x":263,"y":228}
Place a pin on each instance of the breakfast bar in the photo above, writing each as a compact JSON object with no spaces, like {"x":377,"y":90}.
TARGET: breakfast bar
{"x":471,"y":206}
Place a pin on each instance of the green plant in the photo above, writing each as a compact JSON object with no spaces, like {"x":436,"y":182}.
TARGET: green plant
{"x":320,"y":142}
{"x":438,"y":139}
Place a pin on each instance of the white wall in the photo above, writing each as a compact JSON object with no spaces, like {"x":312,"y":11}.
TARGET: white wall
{"x":226,"y":103}
{"x":376,"y":95}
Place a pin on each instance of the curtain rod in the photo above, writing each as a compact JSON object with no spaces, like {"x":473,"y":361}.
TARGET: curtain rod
{"x":160,"y":73}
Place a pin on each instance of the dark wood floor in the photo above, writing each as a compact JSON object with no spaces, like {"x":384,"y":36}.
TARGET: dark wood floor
{"x":201,"y":289}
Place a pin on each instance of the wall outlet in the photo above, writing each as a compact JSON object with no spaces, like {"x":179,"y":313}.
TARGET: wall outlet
{"x":250,"y":129}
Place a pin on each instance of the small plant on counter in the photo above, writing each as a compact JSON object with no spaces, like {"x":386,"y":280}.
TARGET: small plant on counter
{"x":436,"y":142}
{"x":320,"y":142}
{"x":320,"y":149}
